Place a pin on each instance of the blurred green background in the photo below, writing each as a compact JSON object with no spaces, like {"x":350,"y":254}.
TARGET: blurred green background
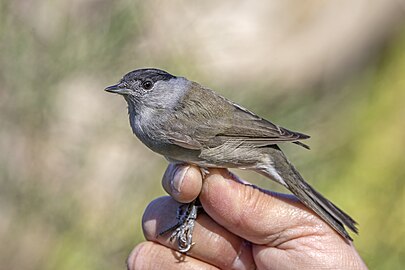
{"x":74,"y":181}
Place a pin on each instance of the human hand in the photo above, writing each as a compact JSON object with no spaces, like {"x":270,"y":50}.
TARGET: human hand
{"x":243,"y":227}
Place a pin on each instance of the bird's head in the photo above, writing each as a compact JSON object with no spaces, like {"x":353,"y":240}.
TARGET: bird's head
{"x":150,"y":87}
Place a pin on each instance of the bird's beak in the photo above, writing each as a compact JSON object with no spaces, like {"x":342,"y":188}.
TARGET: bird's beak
{"x":117,"y":89}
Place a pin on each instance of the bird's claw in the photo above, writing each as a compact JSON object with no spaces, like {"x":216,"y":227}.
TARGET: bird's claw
{"x":183,"y":230}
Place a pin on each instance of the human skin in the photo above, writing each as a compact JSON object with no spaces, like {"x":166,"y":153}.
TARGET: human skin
{"x":242,"y":227}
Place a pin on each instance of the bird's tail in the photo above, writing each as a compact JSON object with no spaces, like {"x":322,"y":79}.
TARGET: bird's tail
{"x":285,"y":173}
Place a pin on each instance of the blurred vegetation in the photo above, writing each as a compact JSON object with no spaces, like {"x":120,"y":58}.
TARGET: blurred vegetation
{"x":74,"y":181}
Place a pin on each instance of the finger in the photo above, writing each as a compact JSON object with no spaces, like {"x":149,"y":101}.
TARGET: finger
{"x":307,"y":254}
{"x":210,"y":239}
{"x":258,"y":216}
{"x":182,"y":182}
{"x":149,"y":255}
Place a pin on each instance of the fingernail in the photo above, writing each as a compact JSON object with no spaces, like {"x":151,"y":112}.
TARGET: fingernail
{"x":177,"y":180}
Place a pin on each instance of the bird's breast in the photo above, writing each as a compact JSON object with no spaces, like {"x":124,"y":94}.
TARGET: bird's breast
{"x":150,"y":131}
{"x":147,"y":128}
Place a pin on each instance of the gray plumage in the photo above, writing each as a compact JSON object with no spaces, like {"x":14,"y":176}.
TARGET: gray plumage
{"x":186,"y":122}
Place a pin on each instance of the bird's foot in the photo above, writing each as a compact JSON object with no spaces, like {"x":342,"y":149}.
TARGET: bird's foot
{"x":183,"y":230}
{"x":204,"y":172}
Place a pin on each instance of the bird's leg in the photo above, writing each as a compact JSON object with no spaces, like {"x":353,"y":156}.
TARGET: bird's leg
{"x":186,"y":216}
{"x":204,"y":172}
{"x":183,"y":230}
{"x":186,"y":222}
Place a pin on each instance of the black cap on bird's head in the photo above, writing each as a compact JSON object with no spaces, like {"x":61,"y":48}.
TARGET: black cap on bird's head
{"x":144,"y":78}
{"x":153,"y":74}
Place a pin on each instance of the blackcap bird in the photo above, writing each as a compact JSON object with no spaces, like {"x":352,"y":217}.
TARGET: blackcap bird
{"x":189,"y":123}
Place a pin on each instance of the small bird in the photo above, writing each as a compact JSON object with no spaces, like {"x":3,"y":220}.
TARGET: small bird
{"x":189,"y":123}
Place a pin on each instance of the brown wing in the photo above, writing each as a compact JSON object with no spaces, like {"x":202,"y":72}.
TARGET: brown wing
{"x":208,"y":120}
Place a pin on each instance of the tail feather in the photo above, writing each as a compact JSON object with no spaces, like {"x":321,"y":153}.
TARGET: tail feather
{"x":329,"y":212}
{"x":337,"y":212}
{"x":284,"y":172}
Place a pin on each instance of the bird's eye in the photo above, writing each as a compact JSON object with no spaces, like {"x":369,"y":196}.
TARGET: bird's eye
{"x":147,"y":85}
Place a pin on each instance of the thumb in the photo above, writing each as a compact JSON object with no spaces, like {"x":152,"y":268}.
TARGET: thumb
{"x":259,"y":216}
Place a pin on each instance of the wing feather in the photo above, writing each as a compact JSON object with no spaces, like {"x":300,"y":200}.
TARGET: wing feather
{"x":206,"y":119}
